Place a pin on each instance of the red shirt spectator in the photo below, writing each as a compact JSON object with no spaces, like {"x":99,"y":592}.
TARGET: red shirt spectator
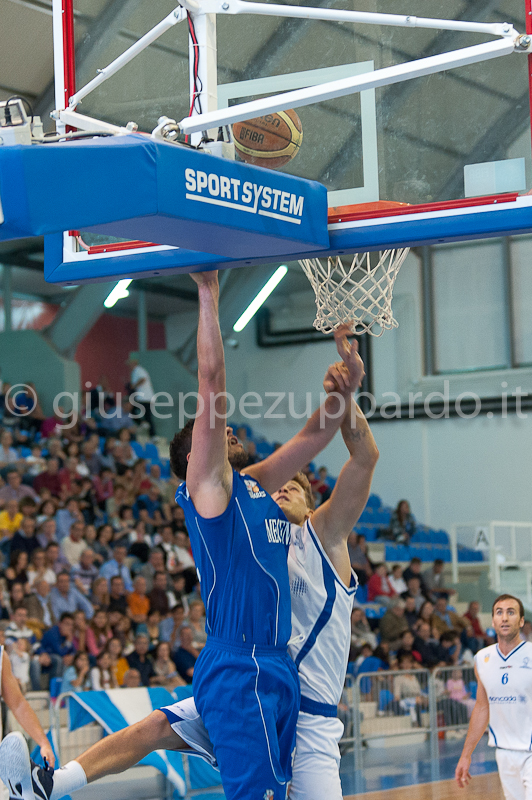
{"x":379,"y":585}
{"x":49,"y":479}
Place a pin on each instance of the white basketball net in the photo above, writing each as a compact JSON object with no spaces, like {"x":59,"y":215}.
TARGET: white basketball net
{"x":359,"y":292}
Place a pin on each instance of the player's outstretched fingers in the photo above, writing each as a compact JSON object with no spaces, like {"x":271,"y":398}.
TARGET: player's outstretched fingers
{"x":334,"y":380}
{"x":343,"y":345}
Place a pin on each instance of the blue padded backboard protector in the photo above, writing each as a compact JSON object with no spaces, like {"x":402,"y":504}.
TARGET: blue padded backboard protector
{"x":139,"y":188}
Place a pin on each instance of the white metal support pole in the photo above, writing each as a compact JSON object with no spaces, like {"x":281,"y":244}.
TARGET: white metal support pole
{"x":59,"y":60}
{"x":346,"y":86}
{"x":205,"y":30}
{"x":454,"y":552}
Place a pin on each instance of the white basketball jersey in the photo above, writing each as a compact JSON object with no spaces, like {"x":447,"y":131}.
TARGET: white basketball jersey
{"x":321,"y":617}
{"x":508,"y":684}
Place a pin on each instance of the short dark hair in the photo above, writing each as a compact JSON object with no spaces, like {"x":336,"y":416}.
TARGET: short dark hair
{"x":415,"y":560}
{"x":448,"y":636}
{"x":66,"y":615}
{"x":509,"y":597}
{"x":438,"y":562}
{"x":301,"y":479}
{"x":180,"y":447}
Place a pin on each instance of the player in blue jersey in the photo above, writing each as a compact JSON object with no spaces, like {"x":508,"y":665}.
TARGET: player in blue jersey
{"x":245,"y":684}
{"x":321,"y":581}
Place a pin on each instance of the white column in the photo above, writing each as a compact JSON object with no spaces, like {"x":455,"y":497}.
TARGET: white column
{"x":59,"y":60}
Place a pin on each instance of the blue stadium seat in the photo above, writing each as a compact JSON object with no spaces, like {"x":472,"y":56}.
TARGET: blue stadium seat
{"x":374,"y":501}
{"x":366,"y":516}
{"x":137,"y":449}
{"x":361,"y":594}
{"x":151,"y":452}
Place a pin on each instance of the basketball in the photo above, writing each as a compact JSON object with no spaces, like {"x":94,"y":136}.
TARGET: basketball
{"x":269,"y":141}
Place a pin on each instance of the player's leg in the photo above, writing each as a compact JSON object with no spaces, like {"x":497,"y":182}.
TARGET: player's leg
{"x":249,"y":707}
{"x":316,"y":771}
{"x":509,"y":763}
{"x":111,"y":755}
{"x":526,"y":774}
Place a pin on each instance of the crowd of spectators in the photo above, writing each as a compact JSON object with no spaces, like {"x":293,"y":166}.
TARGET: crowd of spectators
{"x":98,"y":585}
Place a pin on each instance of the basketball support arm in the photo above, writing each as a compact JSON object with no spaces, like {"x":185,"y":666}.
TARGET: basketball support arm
{"x":345,"y":86}
{"x":203,"y":10}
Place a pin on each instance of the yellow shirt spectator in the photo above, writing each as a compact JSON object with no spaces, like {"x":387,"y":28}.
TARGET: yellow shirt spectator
{"x":9,"y":523}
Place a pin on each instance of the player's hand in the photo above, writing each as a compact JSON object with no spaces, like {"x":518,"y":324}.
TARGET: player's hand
{"x":348,"y":352}
{"x":337,"y":379}
{"x":202,"y":278}
{"x":48,"y":754}
{"x":461,"y":773}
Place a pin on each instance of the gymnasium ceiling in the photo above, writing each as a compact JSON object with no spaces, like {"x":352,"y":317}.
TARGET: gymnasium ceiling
{"x":427,"y":129}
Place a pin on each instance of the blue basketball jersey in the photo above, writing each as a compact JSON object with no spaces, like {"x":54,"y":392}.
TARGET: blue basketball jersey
{"x":241,"y":558}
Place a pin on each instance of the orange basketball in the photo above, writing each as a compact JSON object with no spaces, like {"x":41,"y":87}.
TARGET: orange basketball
{"x":269,"y":141}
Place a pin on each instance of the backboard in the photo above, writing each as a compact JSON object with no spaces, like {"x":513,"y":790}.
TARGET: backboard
{"x":450,"y":136}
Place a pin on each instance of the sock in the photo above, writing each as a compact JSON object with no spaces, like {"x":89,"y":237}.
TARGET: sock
{"x":68,"y":779}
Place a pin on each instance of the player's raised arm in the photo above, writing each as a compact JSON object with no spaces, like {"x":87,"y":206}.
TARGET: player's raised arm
{"x":341,"y":379}
{"x":209,"y":474}
{"x":334,"y":520}
{"x":477,"y":725}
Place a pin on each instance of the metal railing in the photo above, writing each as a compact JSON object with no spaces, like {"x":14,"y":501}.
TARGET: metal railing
{"x":406,"y":707}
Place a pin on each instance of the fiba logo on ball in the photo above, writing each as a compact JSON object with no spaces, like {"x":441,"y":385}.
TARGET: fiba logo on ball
{"x":269,"y":141}
{"x":268,"y":794}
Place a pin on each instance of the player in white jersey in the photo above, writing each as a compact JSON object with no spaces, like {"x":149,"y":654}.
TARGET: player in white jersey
{"x":504,"y":703}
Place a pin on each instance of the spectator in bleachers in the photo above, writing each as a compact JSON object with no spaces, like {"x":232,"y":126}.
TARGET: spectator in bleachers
{"x":367,"y":661}
{"x":20,"y":659}
{"x":196,"y":622}
{"x":166,"y":674}
{"x":16,"y":597}
{"x":360,"y":562}
{"x":472,"y":615}
{"x":66,"y":517}
{"x":156,"y":563}
{"x":117,"y":596}
{"x":119,"y":665}
{"x":101,"y":676}
{"x":101,"y":546}
{"x":425,"y":615}
{"x":98,"y":632}
{"x":444,"y":619}
{"x":393,"y":624}
{"x":8,"y":454}
{"x":138,"y":602}
{"x":25,"y":538}
{"x":46,"y":533}
{"x":49,"y":479}
{"x":85,"y":573}
{"x":407,"y":692}
{"x":73,"y":545}
{"x":320,"y":488}
{"x":407,"y":646}
{"x":19,"y":629}
{"x":14,"y":489}
{"x":99,"y":593}
{"x":76,"y":678}
{"x":410,"y":611}
{"x":17,"y":569}
{"x":426,"y":646}
{"x":402,"y":523}
{"x":414,"y":571}
{"x":396,"y":579}
{"x":39,"y":607}
{"x":449,"y":649}
{"x":55,"y":653}
{"x":117,"y":566}
{"x":186,"y":655}
{"x":66,"y":598}
{"x":434,"y":581}
{"x":38,"y":570}
{"x":80,"y":631}
{"x":170,"y":629}
{"x":140,"y":660}
{"x":132,"y":679}
{"x":10,"y":519}
{"x":158,"y":596}
{"x":361,"y":632}
{"x":414,"y":591}
{"x":380,"y":589}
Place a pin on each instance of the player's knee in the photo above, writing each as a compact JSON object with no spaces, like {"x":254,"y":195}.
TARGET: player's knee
{"x":156,"y":726}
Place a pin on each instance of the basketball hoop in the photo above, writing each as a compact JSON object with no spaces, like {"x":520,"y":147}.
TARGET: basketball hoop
{"x":360,"y":293}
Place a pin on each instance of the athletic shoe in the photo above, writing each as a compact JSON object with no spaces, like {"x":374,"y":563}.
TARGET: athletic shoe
{"x":24,"y":779}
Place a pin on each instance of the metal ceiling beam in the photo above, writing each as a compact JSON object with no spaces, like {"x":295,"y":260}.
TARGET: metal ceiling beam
{"x":84,"y":308}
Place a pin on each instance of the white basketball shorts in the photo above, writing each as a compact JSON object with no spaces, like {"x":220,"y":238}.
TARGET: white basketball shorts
{"x":515,"y":772}
{"x":316,"y":771}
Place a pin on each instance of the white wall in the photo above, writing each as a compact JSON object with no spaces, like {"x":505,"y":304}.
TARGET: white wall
{"x":451,"y":470}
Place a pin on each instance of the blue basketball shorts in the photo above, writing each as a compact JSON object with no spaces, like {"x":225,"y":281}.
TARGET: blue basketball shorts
{"x":248,"y":700}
